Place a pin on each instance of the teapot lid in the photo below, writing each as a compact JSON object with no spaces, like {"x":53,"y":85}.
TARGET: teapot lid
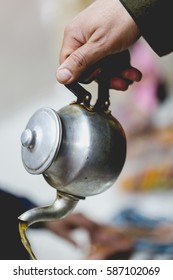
{"x":41,"y":140}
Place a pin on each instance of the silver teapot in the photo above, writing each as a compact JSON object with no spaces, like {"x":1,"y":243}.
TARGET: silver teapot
{"x":80,"y":149}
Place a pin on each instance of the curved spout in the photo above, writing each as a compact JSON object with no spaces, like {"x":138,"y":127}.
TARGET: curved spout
{"x":61,"y":207}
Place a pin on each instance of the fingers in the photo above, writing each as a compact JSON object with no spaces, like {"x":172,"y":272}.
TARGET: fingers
{"x":119,"y":84}
{"x":131,"y":74}
{"x":71,"y":56}
{"x":126,"y":78}
{"x":66,"y":235}
{"x":71,"y":68}
{"x":77,"y":63}
{"x":81,"y":221}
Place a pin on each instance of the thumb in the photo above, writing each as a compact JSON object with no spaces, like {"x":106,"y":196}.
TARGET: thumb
{"x":77,"y":62}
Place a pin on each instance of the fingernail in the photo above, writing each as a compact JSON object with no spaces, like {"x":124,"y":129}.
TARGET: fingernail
{"x":63,"y":75}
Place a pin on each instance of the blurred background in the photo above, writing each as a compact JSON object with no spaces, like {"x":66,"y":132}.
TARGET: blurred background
{"x":142,"y":197}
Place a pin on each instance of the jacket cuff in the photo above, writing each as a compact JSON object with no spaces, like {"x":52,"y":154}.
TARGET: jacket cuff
{"x":153,"y":18}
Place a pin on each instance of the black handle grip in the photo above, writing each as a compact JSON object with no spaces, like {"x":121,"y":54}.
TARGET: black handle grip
{"x":110,"y":66}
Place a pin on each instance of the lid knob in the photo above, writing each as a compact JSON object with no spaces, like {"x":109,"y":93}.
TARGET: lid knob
{"x":41,"y":140}
{"x":27,"y":138}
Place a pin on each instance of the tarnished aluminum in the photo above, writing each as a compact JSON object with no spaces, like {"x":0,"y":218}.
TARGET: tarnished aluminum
{"x":41,"y":140}
{"x":91,"y":155}
{"x":80,"y":149}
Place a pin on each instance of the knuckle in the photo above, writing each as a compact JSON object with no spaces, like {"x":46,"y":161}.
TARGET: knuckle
{"x":69,"y":28}
{"x":79,"y":60}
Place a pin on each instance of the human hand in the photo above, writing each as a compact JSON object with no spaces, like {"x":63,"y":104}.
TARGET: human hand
{"x":105,"y":27}
{"x":110,"y":244}
{"x":116,"y":68}
{"x":64,"y":227}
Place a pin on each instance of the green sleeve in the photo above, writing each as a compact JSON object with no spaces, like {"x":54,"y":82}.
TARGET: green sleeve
{"x":155,"y":21}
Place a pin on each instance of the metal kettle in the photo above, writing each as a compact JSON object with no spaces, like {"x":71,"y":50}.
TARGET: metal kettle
{"x":80,"y":149}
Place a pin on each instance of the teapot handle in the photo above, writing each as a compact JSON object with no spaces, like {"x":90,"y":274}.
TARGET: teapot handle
{"x":110,"y":67}
{"x":83,"y":96}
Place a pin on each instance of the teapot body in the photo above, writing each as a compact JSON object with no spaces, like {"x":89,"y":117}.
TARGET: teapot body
{"x":91,"y":154}
{"x":80,"y":149}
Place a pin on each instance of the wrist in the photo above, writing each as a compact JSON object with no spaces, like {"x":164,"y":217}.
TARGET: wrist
{"x":131,"y":29}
